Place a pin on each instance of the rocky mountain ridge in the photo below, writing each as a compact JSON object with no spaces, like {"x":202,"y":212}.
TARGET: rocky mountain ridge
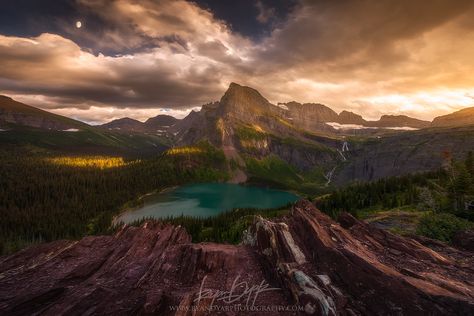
{"x":245,"y":125}
{"x":305,"y":260}
{"x":316,"y":116}
{"x":310,"y":116}
{"x":158,"y":124}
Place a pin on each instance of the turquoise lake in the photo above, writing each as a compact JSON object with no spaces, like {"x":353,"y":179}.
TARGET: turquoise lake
{"x":207,"y":199}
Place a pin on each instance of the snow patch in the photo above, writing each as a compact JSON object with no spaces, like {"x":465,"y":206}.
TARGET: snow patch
{"x":348,"y":126}
{"x":71,"y":130}
{"x":282,"y":106}
{"x":339,"y":126}
{"x":403,"y":128}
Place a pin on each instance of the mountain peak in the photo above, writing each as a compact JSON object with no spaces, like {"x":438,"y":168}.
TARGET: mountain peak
{"x":238,"y":90}
{"x":124,"y":123}
{"x":161,"y":121}
{"x":241,"y":100}
{"x":234,"y":85}
{"x":348,"y":117}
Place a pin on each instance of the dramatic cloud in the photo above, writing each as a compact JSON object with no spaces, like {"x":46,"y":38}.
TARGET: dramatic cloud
{"x":371,"y":57}
{"x":348,"y":53}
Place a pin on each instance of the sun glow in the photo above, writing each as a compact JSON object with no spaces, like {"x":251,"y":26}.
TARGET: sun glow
{"x":439,"y":102}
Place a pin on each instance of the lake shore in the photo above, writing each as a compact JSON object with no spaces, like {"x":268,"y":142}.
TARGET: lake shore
{"x":203,"y":200}
{"x":138,"y":202}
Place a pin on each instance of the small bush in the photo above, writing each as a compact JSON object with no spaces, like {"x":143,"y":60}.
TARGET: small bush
{"x":441,"y":226}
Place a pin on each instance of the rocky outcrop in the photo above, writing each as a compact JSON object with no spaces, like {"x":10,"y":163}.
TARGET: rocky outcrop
{"x":346,"y":117}
{"x":306,"y":263}
{"x":309,"y":116}
{"x":354,"y":268}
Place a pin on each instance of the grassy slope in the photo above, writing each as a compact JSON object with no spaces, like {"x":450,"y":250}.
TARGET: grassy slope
{"x":85,"y":141}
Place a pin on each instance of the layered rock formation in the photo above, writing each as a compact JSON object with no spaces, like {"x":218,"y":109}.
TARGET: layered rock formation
{"x":305,"y":262}
{"x":404,"y":153}
{"x":346,"y":117}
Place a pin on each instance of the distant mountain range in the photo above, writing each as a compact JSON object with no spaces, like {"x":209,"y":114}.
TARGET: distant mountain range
{"x":316,"y":117}
{"x":24,"y":125}
{"x":310,"y":137}
{"x":158,"y":124}
{"x":310,"y":116}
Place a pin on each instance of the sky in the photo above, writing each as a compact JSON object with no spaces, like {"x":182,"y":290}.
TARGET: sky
{"x":146,"y":57}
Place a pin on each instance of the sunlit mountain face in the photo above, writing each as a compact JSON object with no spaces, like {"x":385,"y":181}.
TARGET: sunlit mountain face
{"x":98,"y":60}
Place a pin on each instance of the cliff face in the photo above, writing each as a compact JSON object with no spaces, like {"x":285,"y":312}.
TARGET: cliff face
{"x":346,"y":117}
{"x":403,"y":153}
{"x":305,"y":260}
{"x":310,"y":116}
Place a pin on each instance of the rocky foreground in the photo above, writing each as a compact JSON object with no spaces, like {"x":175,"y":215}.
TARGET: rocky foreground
{"x":303,"y":264}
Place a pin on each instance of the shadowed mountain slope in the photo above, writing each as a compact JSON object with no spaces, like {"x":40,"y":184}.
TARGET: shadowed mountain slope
{"x":16,"y":113}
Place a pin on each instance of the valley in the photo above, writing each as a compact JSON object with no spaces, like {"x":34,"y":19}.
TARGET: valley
{"x":243,"y":138}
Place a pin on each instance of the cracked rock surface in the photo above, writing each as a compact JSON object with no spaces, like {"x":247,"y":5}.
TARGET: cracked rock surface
{"x":320,"y":266}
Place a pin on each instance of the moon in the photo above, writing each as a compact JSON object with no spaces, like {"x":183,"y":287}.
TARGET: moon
{"x":78,"y":24}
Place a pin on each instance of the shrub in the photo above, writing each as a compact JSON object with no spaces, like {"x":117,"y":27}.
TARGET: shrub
{"x":441,"y":226}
